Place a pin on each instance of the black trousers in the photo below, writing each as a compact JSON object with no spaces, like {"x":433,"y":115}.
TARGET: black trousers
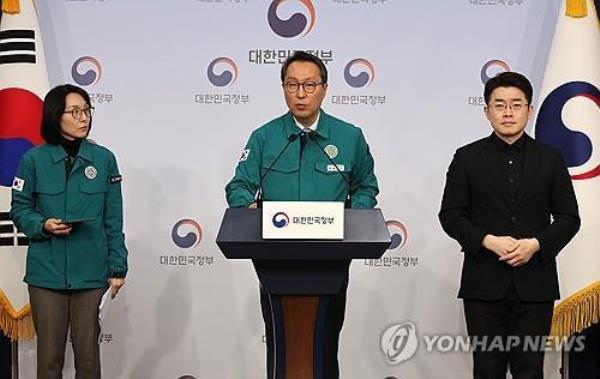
{"x":5,"y":356}
{"x":333,"y":325}
{"x":585,"y":364}
{"x":508,"y":334}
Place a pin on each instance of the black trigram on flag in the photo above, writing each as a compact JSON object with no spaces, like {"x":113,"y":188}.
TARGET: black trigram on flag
{"x":17,"y":46}
{"x":9,"y":235}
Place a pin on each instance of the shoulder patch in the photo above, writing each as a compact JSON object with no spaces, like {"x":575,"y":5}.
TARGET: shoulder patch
{"x":18,"y":184}
{"x":116,"y":179}
{"x":245,"y":154}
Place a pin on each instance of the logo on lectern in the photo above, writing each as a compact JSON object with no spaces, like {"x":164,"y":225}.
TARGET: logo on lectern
{"x":280,"y":220}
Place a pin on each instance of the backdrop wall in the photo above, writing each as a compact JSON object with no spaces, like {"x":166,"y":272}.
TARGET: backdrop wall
{"x":178,"y":86}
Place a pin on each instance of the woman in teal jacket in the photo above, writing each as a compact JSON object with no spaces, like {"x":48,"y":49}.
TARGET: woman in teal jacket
{"x":66,"y":198}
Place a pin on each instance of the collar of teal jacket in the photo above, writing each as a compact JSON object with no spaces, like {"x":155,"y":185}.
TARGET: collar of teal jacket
{"x":59,"y":154}
{"x":322,"y":126}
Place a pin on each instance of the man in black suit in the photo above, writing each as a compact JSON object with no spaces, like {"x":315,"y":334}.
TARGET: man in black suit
{"x":510,"y":204}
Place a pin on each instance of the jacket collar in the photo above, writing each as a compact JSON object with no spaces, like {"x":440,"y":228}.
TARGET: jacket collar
{"x":59,"y":154}
{"x":322,"y":126}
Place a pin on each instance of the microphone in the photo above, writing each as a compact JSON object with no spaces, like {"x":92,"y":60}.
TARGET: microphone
{"x":313,"y":137}
{"x":259,"y":194}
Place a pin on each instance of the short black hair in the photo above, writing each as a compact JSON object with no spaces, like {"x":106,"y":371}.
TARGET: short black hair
{"x":303,"y":56}
{"x":508,"y":79}
{"x":54,"y":106}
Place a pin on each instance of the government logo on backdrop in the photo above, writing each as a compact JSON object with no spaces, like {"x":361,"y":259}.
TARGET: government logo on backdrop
{"x":222,"y":72}
{"x":186,"y":233}
{"x":551,"y":127}
{"x":359,"y":73}
{"x":297,"y":23}
{"x":489,"y":69}
{"x":396,"y":257}
{"x":492,"y":68}
{"x":86,"y":71}
{"x":398,"y":233}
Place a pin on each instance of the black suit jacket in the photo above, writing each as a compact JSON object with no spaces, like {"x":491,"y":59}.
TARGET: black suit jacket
{"x":475,"y":203}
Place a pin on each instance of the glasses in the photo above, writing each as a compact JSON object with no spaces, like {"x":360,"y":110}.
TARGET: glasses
{"x":77,"y":113}
{"x":515,"y":107}
{"x":308,"y":87}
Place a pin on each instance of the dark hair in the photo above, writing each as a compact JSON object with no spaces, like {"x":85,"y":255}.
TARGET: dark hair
{"x":508,"y":79}
{"x":303,"y":56}
{"x":54,"y":107}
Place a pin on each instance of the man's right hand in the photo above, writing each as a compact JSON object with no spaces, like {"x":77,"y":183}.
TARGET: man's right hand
{"x":253,"y":205}
{"x":500,"y":245}
{"x":56,"y":227}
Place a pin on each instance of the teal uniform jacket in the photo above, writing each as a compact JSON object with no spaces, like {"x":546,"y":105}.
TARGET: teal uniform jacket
{"x":94,"y":250}
{"x":310,"y":177}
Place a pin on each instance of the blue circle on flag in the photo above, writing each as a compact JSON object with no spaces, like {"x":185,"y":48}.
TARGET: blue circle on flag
{"x":11,"y":152}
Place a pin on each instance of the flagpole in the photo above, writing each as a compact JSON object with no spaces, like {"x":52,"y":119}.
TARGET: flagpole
{"x":564,"y":363}
{"x":14,"y":359}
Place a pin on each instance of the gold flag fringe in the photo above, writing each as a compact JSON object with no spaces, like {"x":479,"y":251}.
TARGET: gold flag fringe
{"x":577,"y":312}
{"x":11,"y":6}
{"x":576,"y":8}
{"x":15,"y":325}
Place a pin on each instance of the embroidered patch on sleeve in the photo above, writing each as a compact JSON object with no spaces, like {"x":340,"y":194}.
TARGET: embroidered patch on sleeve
{"x":245,"y":154}
{"x":18,"y":184}
{"x":116,"y":179}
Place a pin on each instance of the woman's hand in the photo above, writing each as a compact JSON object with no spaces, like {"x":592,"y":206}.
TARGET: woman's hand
{"x":115,"y":285}
{"x":56,"y":227}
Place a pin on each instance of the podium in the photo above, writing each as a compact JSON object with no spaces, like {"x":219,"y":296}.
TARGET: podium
{"x":299,"y":277}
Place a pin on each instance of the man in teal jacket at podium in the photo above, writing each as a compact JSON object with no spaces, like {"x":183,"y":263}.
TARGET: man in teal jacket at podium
{"x":290,"y":155}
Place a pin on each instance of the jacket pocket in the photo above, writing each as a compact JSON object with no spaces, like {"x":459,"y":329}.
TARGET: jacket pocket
{"x":50,"y":188}
{"x":332,"y":185}
{"x":49,"y":198}
{"x":281,"y":181}
{"x":91,"y":200}
{"x":91,"y":187}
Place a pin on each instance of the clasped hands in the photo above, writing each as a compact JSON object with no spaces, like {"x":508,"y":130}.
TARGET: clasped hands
{"x":515,"y":252}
